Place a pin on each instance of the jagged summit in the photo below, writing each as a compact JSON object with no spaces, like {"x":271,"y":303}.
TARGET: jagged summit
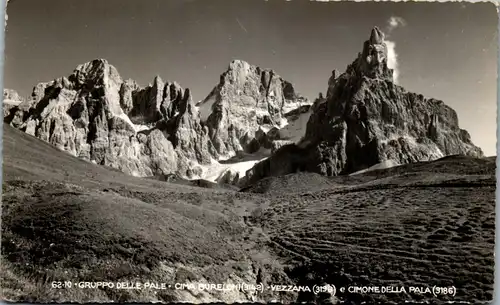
{"x":11,"y":99}
{"x":242,"y":65}
{"x":155,"y":130}
{"x":95,"y":115}
{"x":157,"y":80}
{"x":363,"y":120}
{"x":11,"y":95}
{"x":366,"y":120}
{"x":376,"y":36}
{"x":246,"y":99}
{"x":236,"y":63}
{"x":372,"y":61}
{"x":96,"y":61}
{"x":97,"y":68}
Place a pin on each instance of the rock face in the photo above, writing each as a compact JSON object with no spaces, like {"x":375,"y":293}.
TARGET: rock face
{"x":11,"y":95}
{"x":366,"y":119}
{"x":246,"y":99}
{"x":156,"y":130}
{"x":95,"y":115}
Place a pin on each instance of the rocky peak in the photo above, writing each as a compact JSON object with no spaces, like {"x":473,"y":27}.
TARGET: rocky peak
{"x":97,"y":72}
{"x":376,"y":36}
{"x":331,"y":83}
{"x":95,"y":115}
{"x":246,"y":98}
{"x":186,"y":104}
{"x":11,"y":95}
{"x":365,"y":120}
{"x":372,"y":61}
{"x":11,"y":99}
{"x":157,"y":101}
{"x":238,"y":65}
{"x":158,"y":87}
{"x":190,"y":137}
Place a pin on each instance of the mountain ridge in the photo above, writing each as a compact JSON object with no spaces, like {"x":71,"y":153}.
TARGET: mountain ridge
{"x":363,"y":120}
{"x":156,"y":130}
{"x":366,"y":119}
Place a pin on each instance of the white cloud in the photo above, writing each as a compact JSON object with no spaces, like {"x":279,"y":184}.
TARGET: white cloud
{"x":395,"y":22}
{"x":392,"y":59}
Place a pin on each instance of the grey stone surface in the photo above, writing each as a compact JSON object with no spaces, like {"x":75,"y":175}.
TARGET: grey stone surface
{"x":367,"y":119}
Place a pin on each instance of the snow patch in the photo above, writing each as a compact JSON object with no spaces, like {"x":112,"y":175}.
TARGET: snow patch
{"x":139,"y":128}
{"x":112,"y":95}
{"x":125,"y":117}
{"x":283,"y":122}
{"x":381,"y":165}
{"x":205,"y":108}
{"x":217,"y":170}
{"x":289,"y":106}
{"x":261,"y":112}
{"x":266,"y":127}
{"x":296,"y":129}
{"x":118,"y":112}
{"x":226,"y":156}
{"x":12,"y":102}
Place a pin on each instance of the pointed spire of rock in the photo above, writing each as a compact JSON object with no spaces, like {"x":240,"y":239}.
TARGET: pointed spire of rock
{"x":157,"y":80}
{"x":377,"y":36}
{"x":366,"y":119}
{"x":372,"y":61}
{"x":186,"y":104}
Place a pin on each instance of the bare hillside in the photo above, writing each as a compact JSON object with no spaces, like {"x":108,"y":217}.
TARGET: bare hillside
{"x":67,"y":219}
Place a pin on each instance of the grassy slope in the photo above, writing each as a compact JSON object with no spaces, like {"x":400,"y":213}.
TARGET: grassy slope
{"x":27,"y":158}
{"x":64,"y":218}
{"x":425,"y":224}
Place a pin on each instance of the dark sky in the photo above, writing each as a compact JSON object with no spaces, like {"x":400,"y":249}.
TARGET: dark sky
{"x":445,"y":50}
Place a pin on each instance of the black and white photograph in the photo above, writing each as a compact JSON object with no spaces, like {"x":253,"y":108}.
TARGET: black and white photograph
{"x":250,"y":151}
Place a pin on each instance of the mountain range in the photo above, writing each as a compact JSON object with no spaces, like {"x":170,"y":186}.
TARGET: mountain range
{"x":253,"y":124}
